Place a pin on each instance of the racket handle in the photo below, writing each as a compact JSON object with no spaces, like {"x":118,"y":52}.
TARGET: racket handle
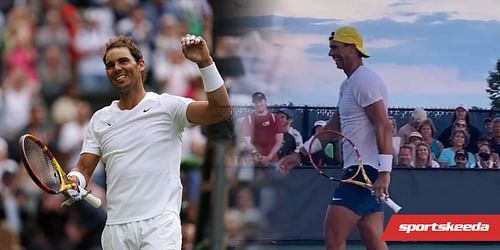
{"x":90,"y":198}
{"x":391,"y":204}
{"x":86,"y":196}
{"x":68,"y":202}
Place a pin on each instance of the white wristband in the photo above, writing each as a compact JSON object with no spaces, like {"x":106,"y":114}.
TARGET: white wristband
{"x":212,"y":80}
{"x":385,"y":163}
{"x":316,"y":146}
{"x":81,"y":179}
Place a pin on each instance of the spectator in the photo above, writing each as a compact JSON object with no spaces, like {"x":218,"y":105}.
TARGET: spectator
{"x":332,"y":153}
{"x":6,"y":164}
{"x":65,"y":107}
{"x":414,"y":138}
{"x":55,"y":72}
{"x":495,"y":140}
{"x":396,"y":140}
{"x":193,"y":152}
{"x":251,"y":218}
{"x":262,"y":131}
{"x":140,"y":28}
{"x":53,"y":33}
{"x":461,"y":158}
{"x":39,"y":125}
{"x":173,"y":73}
{"x":405,"y":157}
{"x":19,"y":51}
{"x":71,"y":135}
{"x":428,"y":131}
{"x":459,"y":139}
{"x":423,"y":157}
{"x":417,"y":117}
{"x":9,"y":240}
{"x":170,"y":33}
{"x":288,"y":145}
{"x":485,"y":158}
{"x":8,"y":199}
{"x":198,"y":16}
{"x":488,"y":127}
{"x":154,"y":9}
{"x":18,"y":95}
{"x":317,"y":125}
{"x":289,"y":128}
{"x":89,"y":40}
{"x":461,"y":112}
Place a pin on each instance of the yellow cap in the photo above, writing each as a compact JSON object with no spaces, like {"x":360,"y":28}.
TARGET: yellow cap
{"x":350,"y":35}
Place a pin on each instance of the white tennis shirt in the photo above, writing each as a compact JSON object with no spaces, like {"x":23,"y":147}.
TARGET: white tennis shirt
{"x":363,"y":88}
{"x":141,"y":150}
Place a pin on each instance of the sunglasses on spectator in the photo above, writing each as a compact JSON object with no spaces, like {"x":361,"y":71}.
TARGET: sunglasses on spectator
{"x":461,"y":125}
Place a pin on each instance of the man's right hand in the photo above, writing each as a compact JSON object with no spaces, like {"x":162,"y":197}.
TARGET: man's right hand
{"x":288,"y":162}
{"x":74,"y":187}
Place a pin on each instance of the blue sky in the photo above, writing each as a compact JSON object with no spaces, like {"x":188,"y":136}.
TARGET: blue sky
{"x":430,"y":53}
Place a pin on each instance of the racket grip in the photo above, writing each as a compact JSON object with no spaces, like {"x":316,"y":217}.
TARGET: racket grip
{"x":391,"y":204}
{"x":86,"y":196}
{"x":92,"y":200}
{"x":68,"y":202}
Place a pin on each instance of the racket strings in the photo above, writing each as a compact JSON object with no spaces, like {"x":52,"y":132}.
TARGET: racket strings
{"x":41,"y":165}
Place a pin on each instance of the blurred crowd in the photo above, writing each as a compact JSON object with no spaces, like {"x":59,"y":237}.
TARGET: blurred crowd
{"x":268,"y":135}
{"x":459,"y":145}
{"x":51,"y":52}
{"x":52,"y":68}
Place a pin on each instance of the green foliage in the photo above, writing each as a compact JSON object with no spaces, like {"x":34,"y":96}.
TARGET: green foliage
{"x":493,"y":89}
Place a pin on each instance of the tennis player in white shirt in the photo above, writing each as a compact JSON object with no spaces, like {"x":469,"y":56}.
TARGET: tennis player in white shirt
{"x":138,"y":138}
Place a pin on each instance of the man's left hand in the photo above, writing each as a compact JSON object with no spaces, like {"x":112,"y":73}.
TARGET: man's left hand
{"x":381,"y":185}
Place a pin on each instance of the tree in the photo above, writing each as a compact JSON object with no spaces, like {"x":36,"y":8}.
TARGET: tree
{"x":493,"y":89}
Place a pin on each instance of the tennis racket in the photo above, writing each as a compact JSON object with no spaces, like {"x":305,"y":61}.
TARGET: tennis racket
{"x":46,"y":172}
{"x":359,"y":177}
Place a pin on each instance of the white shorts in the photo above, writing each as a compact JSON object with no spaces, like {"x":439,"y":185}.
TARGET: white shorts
{"x":160,"y":232}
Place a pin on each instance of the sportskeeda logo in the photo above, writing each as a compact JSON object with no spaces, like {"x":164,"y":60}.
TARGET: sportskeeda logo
{"x":443,"y":227}
{"x":448,"y":227}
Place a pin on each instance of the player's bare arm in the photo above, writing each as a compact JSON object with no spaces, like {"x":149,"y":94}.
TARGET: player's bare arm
{"x":86,"y":166}
{"x":218,"y":107}
{"x":377,"y":114}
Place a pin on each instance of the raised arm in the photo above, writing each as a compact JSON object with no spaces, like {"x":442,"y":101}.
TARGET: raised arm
{"x":218,"y":107}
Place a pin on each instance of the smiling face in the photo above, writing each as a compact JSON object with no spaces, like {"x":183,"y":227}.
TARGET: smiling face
{"x":260,"y":106}
{"x":341,"y":53}
{"x":123,"y":71}
{"x":458,"y":139}
{"x":422,"y":152}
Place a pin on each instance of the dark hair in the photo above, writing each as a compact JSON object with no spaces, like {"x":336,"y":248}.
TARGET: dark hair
{"x":124,"y":42}
{"x":467,"y":117}
{"x":331,"y":36}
